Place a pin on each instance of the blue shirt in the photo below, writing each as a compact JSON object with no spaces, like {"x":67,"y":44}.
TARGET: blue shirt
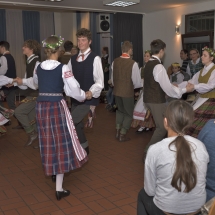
{"x":208,"y":138}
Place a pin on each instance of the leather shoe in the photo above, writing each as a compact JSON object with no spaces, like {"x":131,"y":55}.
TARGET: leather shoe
{"x":117,"y":133}
{"x":31,"y":137}
{"x":123,"y":138}
{"x":53,"y":178}
{"x":8,"y":123}
{"x":61,"y":194}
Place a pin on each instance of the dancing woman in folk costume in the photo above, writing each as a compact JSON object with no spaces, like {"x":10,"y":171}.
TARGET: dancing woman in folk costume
{"x":4,"y":113}
{"x":141,"y":115}
{"x":60,"y":148}
{"x":204,"y":83}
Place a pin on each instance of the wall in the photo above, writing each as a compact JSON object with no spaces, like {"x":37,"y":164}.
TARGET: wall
{"x":161,"y":25}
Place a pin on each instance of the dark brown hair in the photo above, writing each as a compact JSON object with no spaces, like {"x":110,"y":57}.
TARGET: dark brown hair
{"x":105,"y":48}
{"x":126,"y":46}
{"x":157,"y":45}
{"x":83,"y":32}
{"x":33,"y":45}
{"x":179,"y":115}
{"x":5,"y":44}
{"x":68,"y":46}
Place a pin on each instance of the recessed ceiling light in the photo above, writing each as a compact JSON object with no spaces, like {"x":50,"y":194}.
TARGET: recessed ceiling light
{"x":123,"y":3}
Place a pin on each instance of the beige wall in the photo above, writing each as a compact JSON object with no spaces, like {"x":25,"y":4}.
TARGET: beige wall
{"x":161,"y":25}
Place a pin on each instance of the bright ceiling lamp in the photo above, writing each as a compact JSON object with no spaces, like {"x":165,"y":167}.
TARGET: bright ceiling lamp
{"x":123,"y":3}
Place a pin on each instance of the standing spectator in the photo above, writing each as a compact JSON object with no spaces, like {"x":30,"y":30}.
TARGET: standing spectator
{"x":87,"y":70}
{"x":125,"y":78}
{"x":195,"y":63}
{"x":74,"y":50}
{"x":8,"y":68}
{"x":64,"y":59}
{"x":105,"y":66}
{"x":184,"y":57}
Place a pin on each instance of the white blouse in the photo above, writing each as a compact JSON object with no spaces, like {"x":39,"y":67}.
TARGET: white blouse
{"x":201,"y":87}
{"x":71,"y":86}
{"x":5,"y":80}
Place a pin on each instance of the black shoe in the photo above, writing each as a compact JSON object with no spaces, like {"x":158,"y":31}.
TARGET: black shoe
{"x":61,"y":194}
{"x":53,"y":178}
{"x":8,"y":123}
{"x":87,"y":150}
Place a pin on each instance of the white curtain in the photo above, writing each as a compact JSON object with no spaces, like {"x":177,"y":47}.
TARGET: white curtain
{"x":14,"y":30}
{"x":46,"y":27}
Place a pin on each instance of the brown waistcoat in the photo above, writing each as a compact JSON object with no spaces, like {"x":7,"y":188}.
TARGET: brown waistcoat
{"x":153,"y":93}
{"x":122,"y":71}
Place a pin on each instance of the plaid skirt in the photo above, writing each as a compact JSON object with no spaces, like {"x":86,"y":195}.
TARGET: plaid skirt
{"x":202,"y":115}
{"x":56,"y":148}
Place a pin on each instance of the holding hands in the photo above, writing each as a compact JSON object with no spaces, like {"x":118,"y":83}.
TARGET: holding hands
{"x":88,"y":95}
{"x":18,"y":80}
{"x":190,"y":87}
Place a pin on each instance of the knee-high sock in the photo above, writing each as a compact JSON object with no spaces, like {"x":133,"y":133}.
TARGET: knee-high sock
{"x":59,"y":182}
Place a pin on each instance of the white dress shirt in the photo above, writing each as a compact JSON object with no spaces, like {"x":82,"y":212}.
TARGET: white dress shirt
{"x":135,"y":75}
{"x":188,"y":67}
{"x":201,"y":87}
{"x":3,"y":62}
{"x":160,"y":76}
{"x":98,"y":76}
{"x":5,"y":80}
{"x":71,"y":86}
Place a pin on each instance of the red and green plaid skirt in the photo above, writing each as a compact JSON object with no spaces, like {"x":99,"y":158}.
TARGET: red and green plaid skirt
{"x":202,"y":114}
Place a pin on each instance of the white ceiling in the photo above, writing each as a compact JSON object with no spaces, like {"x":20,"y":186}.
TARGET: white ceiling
{"x":145,"y":6}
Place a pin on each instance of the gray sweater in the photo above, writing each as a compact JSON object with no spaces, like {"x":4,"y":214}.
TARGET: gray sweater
{"x":159,"y":170}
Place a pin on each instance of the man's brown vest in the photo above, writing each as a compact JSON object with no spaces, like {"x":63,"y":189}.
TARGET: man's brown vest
{"x":153,"y":93}
{"x":122,"y":72}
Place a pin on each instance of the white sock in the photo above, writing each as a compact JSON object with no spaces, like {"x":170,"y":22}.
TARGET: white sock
{"x":141,"y":128}
{"x":59,"y":182}
{"x":147,"y":129}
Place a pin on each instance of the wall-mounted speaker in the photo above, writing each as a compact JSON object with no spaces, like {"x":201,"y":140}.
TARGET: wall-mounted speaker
{"x":103,"y":23}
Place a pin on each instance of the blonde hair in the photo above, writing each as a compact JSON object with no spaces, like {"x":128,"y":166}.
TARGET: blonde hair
{"x":51,"y":45}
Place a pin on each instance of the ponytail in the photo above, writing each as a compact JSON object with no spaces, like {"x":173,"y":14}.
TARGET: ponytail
{"x":185,"y":171}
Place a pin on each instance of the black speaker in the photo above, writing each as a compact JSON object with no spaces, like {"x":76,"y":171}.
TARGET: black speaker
{"x":103,"y":23}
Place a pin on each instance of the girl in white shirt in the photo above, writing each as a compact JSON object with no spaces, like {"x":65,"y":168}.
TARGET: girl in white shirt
{"x":175,"y":168}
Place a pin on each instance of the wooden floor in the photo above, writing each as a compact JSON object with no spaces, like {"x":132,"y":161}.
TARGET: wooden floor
{"x":107,"y":185}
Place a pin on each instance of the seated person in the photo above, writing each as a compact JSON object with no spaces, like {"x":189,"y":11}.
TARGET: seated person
{"x":206,"y":135}
{"x":175,"y":168}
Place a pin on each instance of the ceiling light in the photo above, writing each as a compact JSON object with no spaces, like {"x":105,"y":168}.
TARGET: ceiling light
{"x":123,"y":3}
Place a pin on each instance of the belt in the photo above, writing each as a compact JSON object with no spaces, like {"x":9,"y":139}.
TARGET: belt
{"x":50,"y":94}
{"x":193,"y":213}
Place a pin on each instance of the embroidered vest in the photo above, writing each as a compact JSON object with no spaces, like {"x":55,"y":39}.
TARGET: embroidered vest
{"x":204,"y":79}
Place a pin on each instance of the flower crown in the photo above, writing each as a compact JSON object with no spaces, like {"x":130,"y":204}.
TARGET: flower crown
{"x":148,"y":51}
{"x":176,"y":64}
{"x":209,"y":50}
{"x":53,"y":45}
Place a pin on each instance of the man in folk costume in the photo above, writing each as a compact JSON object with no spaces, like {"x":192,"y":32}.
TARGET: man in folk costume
{"x":156,"y":86}
{"x":25,"y":112}
{"x":8,"y":68}
{"x":87,"y":70}
{"x":125,"y":78}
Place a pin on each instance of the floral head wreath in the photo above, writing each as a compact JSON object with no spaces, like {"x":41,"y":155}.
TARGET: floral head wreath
{"x":209,"y":50}
{"x":176,"y":64}
{"x":148,"y":51}
{"x":53,"y":45}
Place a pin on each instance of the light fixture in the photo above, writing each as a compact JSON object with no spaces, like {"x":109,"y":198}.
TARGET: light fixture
{"x":123,"y":3}
{"x":177,"y":29}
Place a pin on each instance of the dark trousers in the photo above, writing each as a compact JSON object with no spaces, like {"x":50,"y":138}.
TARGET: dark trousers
{"x":124,"y":113}
{"x":79,"y":112}
{"x":146,"y":206}
{"x":10,"y":98}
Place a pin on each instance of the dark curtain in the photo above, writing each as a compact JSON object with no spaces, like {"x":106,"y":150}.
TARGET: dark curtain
{"x":78,"y":19}
{"x":3,"y":25}
{"x":95,"y":46}
{"x":128,"y":26}
{"x":111,"y":39}
{"x":31,"y":25}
